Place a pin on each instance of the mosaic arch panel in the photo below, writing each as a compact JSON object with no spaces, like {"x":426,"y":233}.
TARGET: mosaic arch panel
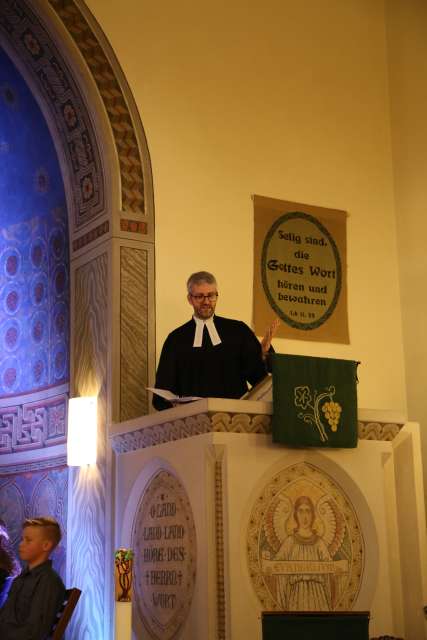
{"x":34,"y":262}
{"x":27,"y":35}
{"x":305,"y":548}
{"x":28,"y":38}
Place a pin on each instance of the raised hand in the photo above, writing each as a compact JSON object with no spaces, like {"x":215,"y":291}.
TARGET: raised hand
{"x":270,"y":332}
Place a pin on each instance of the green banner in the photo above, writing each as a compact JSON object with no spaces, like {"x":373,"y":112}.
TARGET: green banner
{"x":314,"y":401}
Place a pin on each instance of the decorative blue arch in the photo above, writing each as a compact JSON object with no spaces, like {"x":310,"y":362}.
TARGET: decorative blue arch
{"x":34,"y":304}
{"x":34,"y":255}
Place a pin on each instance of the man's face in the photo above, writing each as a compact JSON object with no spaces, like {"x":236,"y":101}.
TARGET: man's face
{"x":203,"y":307}
{"x":34,"y":545}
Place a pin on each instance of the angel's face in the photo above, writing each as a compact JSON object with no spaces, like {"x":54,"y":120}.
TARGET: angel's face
{"x":304,"y":516}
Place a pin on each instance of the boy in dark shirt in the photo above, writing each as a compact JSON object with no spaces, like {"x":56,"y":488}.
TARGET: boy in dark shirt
{"x":38,"y":592}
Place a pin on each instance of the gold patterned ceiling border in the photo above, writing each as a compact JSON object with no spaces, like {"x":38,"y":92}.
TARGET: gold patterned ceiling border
{"x":131,"y":171}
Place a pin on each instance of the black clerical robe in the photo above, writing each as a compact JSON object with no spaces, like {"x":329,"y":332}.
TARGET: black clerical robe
{"x":220,"y":371}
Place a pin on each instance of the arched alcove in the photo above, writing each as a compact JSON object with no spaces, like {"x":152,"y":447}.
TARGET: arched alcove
{"x":34,"y":308}
{"x":72,"y":75}
{"x":34,"y":256}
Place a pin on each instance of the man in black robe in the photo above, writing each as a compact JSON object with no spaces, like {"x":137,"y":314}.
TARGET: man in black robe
{"x":210,"y":355}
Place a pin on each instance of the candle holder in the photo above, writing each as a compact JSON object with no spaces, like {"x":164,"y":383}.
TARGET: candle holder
{"x":123,"y":559}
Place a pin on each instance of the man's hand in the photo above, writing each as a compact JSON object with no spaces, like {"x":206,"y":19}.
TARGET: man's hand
{"x":270,"y":332}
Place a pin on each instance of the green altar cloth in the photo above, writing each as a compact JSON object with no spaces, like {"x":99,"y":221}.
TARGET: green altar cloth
{"x":314,"y":401}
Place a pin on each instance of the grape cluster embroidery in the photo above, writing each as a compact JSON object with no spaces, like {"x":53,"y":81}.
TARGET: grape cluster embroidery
{"x":313,"y":405}
{"x":332,"y":411}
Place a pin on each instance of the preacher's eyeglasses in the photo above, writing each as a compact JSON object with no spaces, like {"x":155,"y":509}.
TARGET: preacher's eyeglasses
{"x":200,"y":296}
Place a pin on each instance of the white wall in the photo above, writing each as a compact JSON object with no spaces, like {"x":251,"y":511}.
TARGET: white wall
{"x":407,"y":29}
{"x":283,"y":98}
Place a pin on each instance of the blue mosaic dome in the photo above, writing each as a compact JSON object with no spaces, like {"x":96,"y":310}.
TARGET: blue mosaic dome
{"x":34,"y":254}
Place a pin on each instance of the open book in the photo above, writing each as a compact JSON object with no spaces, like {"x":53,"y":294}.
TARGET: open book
{"x":168,"y":395}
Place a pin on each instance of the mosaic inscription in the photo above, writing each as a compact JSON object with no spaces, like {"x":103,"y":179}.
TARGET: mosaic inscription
{"x":164,"y":541}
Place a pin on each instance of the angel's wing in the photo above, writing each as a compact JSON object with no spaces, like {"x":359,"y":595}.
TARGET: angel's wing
{"x":333,"y":524}
{"x":275,"y":521}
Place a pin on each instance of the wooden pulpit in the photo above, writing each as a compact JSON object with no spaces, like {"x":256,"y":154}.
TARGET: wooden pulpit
{"x":306,"y":625}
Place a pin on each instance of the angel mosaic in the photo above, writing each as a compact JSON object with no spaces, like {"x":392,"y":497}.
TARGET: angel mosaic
{"x":306,"y":555}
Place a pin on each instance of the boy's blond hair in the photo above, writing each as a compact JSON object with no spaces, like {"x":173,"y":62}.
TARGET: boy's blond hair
{"x":51,"y":528}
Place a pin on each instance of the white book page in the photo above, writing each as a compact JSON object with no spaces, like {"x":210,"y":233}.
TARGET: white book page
{"x":168,"y":395}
